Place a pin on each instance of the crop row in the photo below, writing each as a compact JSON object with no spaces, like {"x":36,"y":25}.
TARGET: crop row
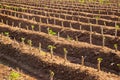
{"x":65,"y":23}
{"x":97,"y":11}
{"x":75,"y":49}
{"x":43,"y":63}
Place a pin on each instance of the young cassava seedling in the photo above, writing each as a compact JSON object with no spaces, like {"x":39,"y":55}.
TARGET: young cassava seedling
{"x":14,"y":76}
{"x":6,"y":34}
{"x":116,"y":29}
{"x":99,"y":63}
{"x":116,"y":47}
{"x":103,"y":41}
{"x":82,"y":60}
{"x":23,"y":40}
{"x":97,"y":18}
{"x":51,"y":48}
{"x":32,"y":27}
{"x":69,"y":38}
{"x":51,"y":75}
{"x":51,"y":32}
{"x":65,"y":54}
{"x":118,"y":65}
{"x":30,"y":43}
{"x":39,"y":47}
{"x":90,"y":38}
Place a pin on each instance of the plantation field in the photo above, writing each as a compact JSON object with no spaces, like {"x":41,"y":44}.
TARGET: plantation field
{"x":60,"y":39}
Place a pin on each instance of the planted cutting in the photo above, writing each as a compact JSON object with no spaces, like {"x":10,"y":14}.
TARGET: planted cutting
{"x":14,"y":76}
{"x":30,"y":43}
{"x":51,"y":32}
{"x":65,"y":54}
{"x":99,"y":63}
{"x":51,"y":75}
{"x":51,"y":48}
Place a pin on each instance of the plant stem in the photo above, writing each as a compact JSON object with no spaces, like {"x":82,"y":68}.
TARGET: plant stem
{"x":98,"y":65}
{"x":82,"y":61}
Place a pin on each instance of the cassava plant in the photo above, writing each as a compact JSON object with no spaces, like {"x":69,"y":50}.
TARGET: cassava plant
{"x":23,"y":16}
{"x":47,"y":21}
{"x":50,"y":31}
{"x":2,"y":20}
{"x":7,"y":22}
{"x":105,"y":24}
{"x":52,"y":75}
{"x":40,"y":20}
{"x":39,"y":28}
{"x":14,"y":76}
{"x":39,"y":47}
{"x":30,"y":43}
{"x":70,"y":25}
{"x":103,"y":41}
{"x":33,"y":18}
{"x":14,"y":40}
{"x":69,"y":38}
{"x":58,"y":35}
{"x":6,"y":34}
{"x":82,"y":60}
{"x":118,"y":65}
{"x":102,"y":31}
{"x":91,"y":28}
{"x":65,"y":54}
{"x":80,"y":27}
{"x":62,"y":24}
{"x":54,"y":22}
{"x":116,"y":29}
{"x":0,"y":5}
{"x":12,"y":24}
{"x":32,"y":27}
{"x":97,"y":18}
{"x":18,"y":15}
{"x":19,"y":25}
{"x":76,"y":37}
{"x":51,"y":48}
{"x":99,"y":63}
{"x":1,"y":35}
{"x":28,"y":17}
{"x":90,"y":38}
{"x":116,"y":47}
{"x":15,"y":14}
{"x":27,"y":27}
{"x":23,"y":40}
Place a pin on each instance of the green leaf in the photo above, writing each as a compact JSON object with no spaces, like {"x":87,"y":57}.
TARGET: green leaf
{"x":29,"y":42}
{"x":51,"y":47}
{"x":52,"y":73}
{"x":118,"y":65}
{"x":33,"y":26}
{"x":51,"y":32}
{"x":65,"y":50}
{"x":14,"y":75}
{"x":117,"y":26}
{"x":22,"y":39}
{"x":100,"y":59}
{"x":115,"y":45}
{"x":6,"y":33}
